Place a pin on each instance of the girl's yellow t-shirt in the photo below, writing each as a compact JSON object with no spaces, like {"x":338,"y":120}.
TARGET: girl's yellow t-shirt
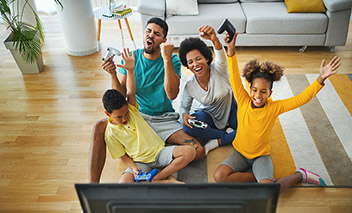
{"x":255,"y":124}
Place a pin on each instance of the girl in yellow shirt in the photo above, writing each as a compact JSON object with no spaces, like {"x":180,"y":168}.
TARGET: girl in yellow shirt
{"x":256,"y":117}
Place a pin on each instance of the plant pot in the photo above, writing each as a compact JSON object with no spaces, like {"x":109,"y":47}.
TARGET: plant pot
{"x":25,"y":67}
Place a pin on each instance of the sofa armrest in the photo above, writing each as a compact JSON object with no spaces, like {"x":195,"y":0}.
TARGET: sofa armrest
{"x":151,"y":7}
{"x":338,"y":12}
{"x":337,"y":5}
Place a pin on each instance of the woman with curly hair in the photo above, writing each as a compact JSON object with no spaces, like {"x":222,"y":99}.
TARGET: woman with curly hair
{"x":210,"y":86}
{"x":256,"y":117}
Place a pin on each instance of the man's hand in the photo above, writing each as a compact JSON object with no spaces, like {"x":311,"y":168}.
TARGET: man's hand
{"x":128,"y":59}
{"x":171,"y":80}
{"x":166,"y":50}
{"x":328,"y":70}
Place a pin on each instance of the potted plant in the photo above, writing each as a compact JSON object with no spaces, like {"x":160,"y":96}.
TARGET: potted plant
{"x":25,"y":40}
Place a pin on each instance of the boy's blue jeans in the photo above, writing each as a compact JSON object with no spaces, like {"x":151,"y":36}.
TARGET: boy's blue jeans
{"x":211,"y":132}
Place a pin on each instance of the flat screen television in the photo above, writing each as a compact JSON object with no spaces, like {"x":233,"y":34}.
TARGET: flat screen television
{"x":172,"y":198}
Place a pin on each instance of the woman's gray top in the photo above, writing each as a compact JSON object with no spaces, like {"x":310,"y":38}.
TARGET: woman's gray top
{"x":218,"y":99}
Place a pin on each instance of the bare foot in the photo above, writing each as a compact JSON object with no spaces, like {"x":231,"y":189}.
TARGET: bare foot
{"x":170,"y":179}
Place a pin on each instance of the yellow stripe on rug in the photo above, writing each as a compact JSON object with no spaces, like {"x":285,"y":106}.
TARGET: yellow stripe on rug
{"x":343,"y":87}
{"x":280,"y":153}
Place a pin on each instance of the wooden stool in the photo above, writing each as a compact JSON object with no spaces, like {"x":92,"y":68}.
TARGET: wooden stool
{"x":103,"y":14}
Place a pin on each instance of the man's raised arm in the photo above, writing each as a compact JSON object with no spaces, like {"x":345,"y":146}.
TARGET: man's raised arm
{"x":172,"y":80}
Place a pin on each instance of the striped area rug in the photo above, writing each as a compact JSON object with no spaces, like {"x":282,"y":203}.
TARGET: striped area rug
{"x":316,"y":136}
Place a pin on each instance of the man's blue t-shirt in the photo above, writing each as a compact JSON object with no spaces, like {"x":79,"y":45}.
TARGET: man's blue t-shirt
{"x":149,"y":75}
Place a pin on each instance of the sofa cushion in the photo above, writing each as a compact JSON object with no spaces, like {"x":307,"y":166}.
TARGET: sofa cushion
{"x":261,"y":0}
{"x":216,"y":1}
{"x":272,"y":18}
{"x":208,"y":15}
{"x":181,"y":7}
{"x":305,"y":6}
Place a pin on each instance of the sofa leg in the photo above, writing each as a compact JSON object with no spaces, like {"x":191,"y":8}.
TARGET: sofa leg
{"x":332,"y":49}
{"x":302,"y":49}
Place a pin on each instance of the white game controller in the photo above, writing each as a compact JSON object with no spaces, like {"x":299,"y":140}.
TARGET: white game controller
{"x":111,"y":52}
{"x":198,"y":124}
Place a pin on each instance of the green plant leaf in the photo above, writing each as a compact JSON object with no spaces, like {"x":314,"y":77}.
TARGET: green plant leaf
{"x":27,"y":39}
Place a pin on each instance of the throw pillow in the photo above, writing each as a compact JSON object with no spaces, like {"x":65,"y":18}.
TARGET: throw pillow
{"x":305,"y":6}
{"x":181,"y":7}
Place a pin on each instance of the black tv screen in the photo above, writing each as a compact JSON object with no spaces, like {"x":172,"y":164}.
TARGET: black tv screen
{"x":172,"y":198}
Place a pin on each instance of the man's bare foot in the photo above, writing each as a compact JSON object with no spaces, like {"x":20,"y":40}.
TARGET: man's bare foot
{"x":170,"y":179}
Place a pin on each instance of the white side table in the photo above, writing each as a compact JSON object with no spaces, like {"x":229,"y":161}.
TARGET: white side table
{"x":101,"y":13}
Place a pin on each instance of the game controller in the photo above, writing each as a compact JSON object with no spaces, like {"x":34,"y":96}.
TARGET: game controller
{"x":198,"y":124}
{"x":111,"y":52}
{"x":230,"y":29}
{"x":147,"y":176}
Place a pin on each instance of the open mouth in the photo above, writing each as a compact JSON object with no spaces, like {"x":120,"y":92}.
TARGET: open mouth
{"x":258,"y":101}
{"x":124,"y":123}
{"x":149,"y":42}
{"x":198,"y":69}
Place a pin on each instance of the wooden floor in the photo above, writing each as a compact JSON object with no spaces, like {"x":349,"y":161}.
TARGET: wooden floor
{"x":46,"y":121}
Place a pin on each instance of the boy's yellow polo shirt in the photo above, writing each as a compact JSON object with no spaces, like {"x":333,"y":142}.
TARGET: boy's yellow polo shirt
{"x":136,"y":139}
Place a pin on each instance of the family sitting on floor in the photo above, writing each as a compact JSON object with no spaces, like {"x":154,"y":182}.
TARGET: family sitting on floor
{"x":144,"y":131}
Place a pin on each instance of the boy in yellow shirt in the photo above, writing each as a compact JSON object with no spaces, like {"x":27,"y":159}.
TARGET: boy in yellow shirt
{"x":256,"y":116}
{"x":130,"y":138}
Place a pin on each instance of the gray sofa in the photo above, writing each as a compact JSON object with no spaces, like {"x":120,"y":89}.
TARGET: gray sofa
{"x":260,"y":22}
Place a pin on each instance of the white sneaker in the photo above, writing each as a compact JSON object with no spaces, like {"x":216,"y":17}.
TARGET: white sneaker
{"x":212,"y":144}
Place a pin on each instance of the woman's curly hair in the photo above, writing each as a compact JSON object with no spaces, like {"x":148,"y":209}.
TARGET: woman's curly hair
{"x":194,"y":44}
{"x":268,"y":70}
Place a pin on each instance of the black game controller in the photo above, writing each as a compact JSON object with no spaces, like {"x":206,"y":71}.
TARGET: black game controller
{"x":230,"y":29}
{"x":111,"y":51}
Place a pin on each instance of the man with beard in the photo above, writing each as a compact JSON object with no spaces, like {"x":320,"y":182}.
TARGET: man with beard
{"x":157,"y":77}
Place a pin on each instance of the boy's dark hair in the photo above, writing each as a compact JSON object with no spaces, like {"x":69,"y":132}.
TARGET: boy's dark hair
{"x":194,"y":43}
{"x":267,"y":70}
{"x":161,"y":23}
{"x":113,"y":100}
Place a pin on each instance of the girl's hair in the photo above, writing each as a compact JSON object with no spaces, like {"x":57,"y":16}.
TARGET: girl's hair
{"x":268,"y":70}
{"x":194,"y":44}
